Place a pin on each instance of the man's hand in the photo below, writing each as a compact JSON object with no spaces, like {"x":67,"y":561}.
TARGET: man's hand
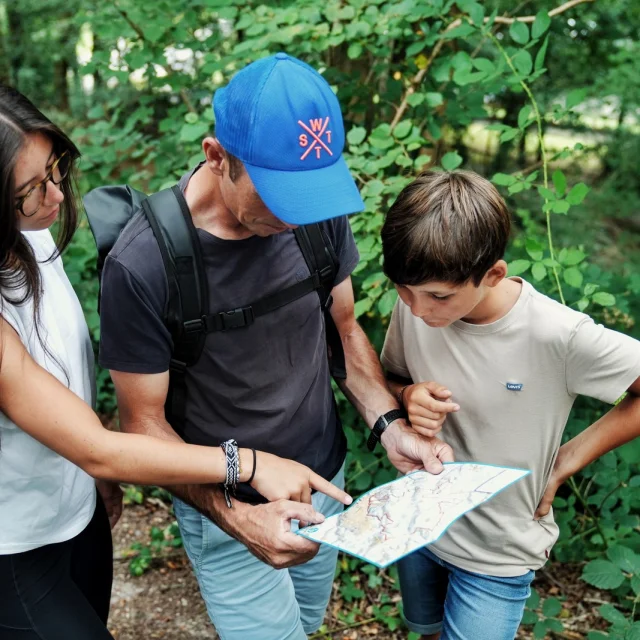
{"x":111,"y":495}
{"x":428,"y":404}
{"x":265,"y":530}
{"x":409,"y":451}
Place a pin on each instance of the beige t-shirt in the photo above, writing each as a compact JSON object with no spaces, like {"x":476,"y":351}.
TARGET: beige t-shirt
{"x":556,"y":354}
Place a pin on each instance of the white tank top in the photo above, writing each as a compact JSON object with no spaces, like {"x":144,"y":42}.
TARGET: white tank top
{"x":44,"y":498}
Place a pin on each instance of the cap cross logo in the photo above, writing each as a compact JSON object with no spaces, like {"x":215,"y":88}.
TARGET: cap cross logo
{"x":316,"y":130}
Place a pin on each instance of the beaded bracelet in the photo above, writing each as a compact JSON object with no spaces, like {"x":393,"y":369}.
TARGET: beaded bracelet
{"x":230,"y":448}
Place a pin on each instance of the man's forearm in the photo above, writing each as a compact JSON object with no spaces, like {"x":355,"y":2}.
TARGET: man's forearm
{"x":617,"y":427}
{"x":365,"y":386}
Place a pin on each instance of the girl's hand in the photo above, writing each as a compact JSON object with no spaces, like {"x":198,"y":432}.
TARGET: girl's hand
{"x":281,"y":479}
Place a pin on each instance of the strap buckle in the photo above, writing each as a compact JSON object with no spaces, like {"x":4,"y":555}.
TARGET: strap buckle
{"x":199,"y":325}
{"x":236,"y":318}
{"x":327,"y":303}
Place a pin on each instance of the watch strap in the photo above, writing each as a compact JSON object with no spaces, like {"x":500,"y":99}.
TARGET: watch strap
{"x":381,"y":425}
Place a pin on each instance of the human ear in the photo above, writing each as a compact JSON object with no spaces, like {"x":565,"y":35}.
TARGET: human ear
{"x":495,"y":274}
{"x":214,"y":154}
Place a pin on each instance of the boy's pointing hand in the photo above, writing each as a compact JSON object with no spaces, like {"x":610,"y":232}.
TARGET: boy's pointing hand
{"x":428,"y":404}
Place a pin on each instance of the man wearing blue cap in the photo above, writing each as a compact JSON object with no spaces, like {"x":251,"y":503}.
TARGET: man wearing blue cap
{"x":275,"y":163}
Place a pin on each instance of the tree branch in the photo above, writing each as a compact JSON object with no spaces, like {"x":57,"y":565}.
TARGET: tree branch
{"x":417,"y":79}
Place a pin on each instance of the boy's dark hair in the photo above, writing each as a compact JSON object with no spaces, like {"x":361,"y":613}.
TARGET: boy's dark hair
{"x":445,"y":227}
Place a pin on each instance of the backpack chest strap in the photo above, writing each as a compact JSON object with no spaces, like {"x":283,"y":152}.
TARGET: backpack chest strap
{"x":244,"y":316}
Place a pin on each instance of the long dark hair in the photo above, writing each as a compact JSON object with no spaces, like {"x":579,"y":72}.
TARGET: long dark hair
{"x":20,"y":278}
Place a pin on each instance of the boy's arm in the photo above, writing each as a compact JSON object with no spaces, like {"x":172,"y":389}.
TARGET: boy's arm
{"x":615,"y":428}
{"x":367,"y":390}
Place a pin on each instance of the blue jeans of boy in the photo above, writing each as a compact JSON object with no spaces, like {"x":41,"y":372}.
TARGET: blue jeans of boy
{"x":438,"y":596}
{"x":247,"y":599}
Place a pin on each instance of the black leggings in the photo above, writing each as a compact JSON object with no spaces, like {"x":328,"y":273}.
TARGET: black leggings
{"x":59,"y":591}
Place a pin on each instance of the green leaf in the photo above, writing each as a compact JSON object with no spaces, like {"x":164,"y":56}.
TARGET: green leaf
{"x":551,"y":607}
{"x":542,"y":52}
{"x":509,"y":134}
{"x":356,"y":135}
{"x":451,"y":161}
{"x":374,"y":188}
{"x":559,"y":182}
{"x":635,"y":584}
{"x":604,"y":300}
{"x":518,"y":266}
{"x":577,"y":193}
{"x":524,"y":115}
{"x":362,"y":306}
{"x":540,"y":24}
{"x":573,"y":277}
{"x":476,"y":13}
{"x":540,"y":630}
{"x":575,"y":97}
{"x":154,"y":32}
{"x":503,"y":179}
{"x":539,"y":271}
{"x":624,"y":558}
{"x":547,"y":193}
{"x":519,"y":31}
{"x":612,"y":615}
{"x":484,"y":64}
{"x":434,"y":99}
{"x":555,"y":625}
{"x":523,"y":62}
{"x":533,"y":601}
{"x":534,"y":248}
{"x":560,"y":206}
{"x":602,"y":573}
{"x":573,"y":257}
{"x":354,"y":50}
{"x":420,"y":161}
{"x":415,"y":99}
{"x":529,"y":617}
{"x":191,"y":132}
{"x":387,"y":302}
{"x":597,"y":635}
{"x":402,"y":129}
{"x":633,"y":632}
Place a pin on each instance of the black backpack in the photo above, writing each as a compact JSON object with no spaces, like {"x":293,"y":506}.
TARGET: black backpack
{"x":187,"y":316}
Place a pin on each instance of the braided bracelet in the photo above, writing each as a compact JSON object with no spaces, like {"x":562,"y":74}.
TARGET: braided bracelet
{"x":230,"y":448}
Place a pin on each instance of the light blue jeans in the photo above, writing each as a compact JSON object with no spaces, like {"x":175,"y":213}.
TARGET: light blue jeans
{"x":437,"y":596}
{"x":249,"y":600}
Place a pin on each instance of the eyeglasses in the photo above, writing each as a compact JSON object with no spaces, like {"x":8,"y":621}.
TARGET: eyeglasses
{"x":29,"y":204}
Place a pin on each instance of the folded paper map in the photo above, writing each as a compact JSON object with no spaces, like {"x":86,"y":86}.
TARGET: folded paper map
{"x":401,"y":516}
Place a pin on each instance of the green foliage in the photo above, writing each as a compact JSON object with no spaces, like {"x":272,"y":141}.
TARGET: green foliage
{"x":160,"y":540}
{"x":417,"y":80}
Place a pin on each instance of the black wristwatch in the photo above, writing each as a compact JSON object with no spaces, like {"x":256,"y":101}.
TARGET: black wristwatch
{"x":381,"y":424}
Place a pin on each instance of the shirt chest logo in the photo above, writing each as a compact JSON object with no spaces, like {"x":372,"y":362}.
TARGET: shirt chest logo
{"x":514,"y":386}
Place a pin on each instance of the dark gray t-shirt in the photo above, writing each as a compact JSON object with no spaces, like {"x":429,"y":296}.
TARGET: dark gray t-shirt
{"x":266,"y":385}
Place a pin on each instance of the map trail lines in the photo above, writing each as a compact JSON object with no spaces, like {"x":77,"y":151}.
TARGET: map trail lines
{"x":401,"y":516}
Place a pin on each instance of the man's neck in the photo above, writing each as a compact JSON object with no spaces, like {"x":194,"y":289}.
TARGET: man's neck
{"x":207,"y":207}
{"x":497,"y":303}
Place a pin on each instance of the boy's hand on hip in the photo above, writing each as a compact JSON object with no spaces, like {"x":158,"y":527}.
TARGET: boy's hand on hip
{"x":428,"y":404}
{"x":408,"y":451}
{"x":112,"y":496}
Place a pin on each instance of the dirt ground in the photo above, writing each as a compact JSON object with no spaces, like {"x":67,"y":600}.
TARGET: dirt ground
{"x":165,"y":602}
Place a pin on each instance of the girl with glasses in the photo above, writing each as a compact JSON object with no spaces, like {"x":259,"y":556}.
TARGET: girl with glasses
{"x":55,"y":541}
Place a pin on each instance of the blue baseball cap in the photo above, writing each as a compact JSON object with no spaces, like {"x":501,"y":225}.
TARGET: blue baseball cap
{"x":281,"y":118}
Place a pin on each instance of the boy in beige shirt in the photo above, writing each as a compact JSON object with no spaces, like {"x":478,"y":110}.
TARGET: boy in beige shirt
{"x":515,"y":361}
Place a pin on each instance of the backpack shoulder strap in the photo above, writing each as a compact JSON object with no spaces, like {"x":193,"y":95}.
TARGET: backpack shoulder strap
{"x":187,"y":303}
{"x":321,"y":258}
